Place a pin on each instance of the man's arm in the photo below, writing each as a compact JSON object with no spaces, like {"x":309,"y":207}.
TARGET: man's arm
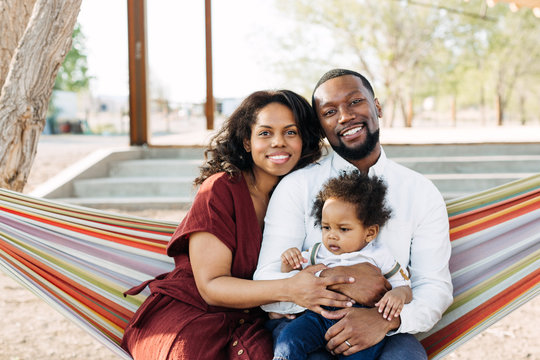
{"x":430,"y":275}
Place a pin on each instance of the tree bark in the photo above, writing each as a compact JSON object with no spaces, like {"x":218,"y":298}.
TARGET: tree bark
{"x":499,"y":107}
{"x":14,"y":15}
{"x":28,"y":86}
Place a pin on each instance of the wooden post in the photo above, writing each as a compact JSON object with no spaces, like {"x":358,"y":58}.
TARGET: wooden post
{"x":138,"y":109}
{"x":209,"y":106}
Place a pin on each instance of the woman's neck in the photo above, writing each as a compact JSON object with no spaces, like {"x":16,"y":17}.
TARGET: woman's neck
{"x":260,"y":185}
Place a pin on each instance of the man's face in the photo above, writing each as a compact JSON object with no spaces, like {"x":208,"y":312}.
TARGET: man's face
{"x":349,"y":116}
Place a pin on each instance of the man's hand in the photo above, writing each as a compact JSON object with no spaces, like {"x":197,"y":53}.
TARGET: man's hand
{"x":360,"y":327}
{"x":369,"y":286}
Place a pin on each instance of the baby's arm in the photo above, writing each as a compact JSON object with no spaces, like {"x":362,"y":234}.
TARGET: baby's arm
{"x":291,"y":259}
{"x":392,"y":302}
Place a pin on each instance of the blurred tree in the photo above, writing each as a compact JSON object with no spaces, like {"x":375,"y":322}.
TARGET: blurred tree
{"x":514,"y":57}
{"x":40,"y":37}
{"x":388,"y":41}
{"x":468,"y":55}
{"x":73,"y":74}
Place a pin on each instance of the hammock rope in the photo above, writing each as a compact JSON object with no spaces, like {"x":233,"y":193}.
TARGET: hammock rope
{"x":81,"y":260}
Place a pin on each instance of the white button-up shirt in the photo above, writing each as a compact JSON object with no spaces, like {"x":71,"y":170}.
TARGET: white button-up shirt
{"x":416,"y":234}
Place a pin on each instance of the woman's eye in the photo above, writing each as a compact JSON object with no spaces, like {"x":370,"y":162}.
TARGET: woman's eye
{"x":264,"y":133}
{"x":292,"y":132}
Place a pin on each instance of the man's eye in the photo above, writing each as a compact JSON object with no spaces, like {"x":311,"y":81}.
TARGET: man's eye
{"x":356,"y":101}
{"x":329,"y":113}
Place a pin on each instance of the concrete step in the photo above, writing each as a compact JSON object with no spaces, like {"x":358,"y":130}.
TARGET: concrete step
{"x":156,"y":168}
{"x":452,"y":185}
{"x":134,"y":186}
{"x":472,"y":164}
{"x":444,"y":150}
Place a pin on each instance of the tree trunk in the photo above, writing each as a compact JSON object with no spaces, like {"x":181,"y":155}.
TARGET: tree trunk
{"x":14,"y":15}
{"x":28,"y":86}
{"x":499,"y":109}
{"x":410,"y":113}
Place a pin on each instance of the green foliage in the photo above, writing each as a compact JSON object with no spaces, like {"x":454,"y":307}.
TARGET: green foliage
{"x":73,"y":74}
{"x":414,"y":49}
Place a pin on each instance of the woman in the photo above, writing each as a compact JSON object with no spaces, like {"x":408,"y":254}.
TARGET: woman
{"x":207,"y":307}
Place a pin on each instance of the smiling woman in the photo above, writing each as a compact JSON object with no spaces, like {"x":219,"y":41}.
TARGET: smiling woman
{"x":208,"y":306}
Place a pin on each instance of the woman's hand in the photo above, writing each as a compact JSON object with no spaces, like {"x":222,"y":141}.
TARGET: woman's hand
{"x":310,"y":291}
{"x":369,"y":287}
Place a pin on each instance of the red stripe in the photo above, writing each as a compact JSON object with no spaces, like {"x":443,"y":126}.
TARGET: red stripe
{"x":58,"y":210}
{"x":495,"y":221}
{"x":475,"y":214}
{"x":94,"y":234}
{"x":445,"y":336}
{"x":98,"y":303}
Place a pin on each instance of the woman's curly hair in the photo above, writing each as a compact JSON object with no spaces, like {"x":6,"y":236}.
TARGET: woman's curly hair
{"x":364,"y":192}
{"x":226,"y":152}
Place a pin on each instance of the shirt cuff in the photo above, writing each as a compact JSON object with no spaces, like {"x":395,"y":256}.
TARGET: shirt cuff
{"x":405,"y":321}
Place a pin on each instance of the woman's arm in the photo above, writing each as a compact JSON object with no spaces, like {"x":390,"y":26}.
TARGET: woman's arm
{"x":211,"y":263}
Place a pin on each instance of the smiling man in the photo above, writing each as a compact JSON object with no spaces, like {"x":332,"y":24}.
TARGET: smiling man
{"x":417,"y":233}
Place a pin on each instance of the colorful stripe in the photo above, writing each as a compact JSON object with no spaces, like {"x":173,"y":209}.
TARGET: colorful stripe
{"x":81,"y":260}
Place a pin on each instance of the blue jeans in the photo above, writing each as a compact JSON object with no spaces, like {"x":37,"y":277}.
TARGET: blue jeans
{"x":396,"y":347}
{"x":305,"y":335}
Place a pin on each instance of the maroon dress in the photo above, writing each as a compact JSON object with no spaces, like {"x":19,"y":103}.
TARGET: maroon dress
{"x":175,"y":322}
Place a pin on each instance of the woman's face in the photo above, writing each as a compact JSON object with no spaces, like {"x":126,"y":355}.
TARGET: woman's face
{"x":275,"y":143}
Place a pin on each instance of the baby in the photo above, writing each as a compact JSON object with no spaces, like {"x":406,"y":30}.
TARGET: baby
{"x":350,"y":210}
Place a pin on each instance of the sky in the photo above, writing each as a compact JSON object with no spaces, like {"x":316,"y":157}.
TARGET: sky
{"x":176,"y":47}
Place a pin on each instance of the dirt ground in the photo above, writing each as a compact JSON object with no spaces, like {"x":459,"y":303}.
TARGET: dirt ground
{"x":31,"y":329}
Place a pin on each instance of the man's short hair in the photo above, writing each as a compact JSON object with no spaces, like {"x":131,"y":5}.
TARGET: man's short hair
{"x":334,"y":73}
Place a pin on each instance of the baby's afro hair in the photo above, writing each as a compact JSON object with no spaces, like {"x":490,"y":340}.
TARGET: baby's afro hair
{"x":364,"y":192}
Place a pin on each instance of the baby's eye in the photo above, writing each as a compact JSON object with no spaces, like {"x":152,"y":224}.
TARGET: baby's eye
{"x":344,"y":229}
{"x":325,"y":227}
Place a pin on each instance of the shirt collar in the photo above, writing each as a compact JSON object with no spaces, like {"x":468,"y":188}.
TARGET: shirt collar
{"x":339,"y":164}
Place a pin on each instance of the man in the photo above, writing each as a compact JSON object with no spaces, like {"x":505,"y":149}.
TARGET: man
{"x":417,"y":233}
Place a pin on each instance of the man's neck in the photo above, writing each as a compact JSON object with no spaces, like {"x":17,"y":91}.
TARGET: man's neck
{"x":367,"y":162}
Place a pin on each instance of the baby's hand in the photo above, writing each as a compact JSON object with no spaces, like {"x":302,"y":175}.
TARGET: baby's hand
{"x":292,"y":259}
{"x":390,"y":305}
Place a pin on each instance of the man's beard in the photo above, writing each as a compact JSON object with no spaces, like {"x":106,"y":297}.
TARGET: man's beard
{"x":359,"y":152}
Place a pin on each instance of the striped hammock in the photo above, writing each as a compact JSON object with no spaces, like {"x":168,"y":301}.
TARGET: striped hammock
{"x":81,"y":260}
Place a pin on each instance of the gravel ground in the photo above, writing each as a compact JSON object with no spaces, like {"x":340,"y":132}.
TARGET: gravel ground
{"x":30,"y":329}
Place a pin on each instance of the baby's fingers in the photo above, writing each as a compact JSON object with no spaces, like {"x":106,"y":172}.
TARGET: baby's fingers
{"x":395,"y":311}
{"x":381,"y":304}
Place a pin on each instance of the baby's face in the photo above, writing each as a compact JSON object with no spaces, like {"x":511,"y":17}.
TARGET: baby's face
{"x":342,"y":231}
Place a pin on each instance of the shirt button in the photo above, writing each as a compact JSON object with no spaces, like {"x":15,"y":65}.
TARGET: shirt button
{"x":240,"y":352}
{"x":241,"y":321}
{"x":235,"y":343}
